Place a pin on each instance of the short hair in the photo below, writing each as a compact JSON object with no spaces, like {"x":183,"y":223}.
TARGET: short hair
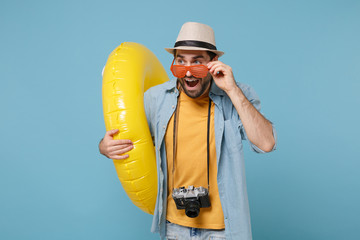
{"x":211,"y":54}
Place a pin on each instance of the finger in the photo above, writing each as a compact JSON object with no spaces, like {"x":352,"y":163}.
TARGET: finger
{"x":121,"y":142}
{"x":118,"y":144}
{"x":110,"y":133}
{"x":215,"y":70}
{"x":121,"y":151}
{"x":112,"y":149}
{"x":119,"y":157}
{"x":211,"y":64}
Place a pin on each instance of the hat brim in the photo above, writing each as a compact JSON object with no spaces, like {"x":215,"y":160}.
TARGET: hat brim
{"x":171,"y":50}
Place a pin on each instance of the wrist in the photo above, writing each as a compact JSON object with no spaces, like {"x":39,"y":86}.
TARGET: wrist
{"x":233,"y":91}
{"x":237,"y":95}
{"x":100,"y":146}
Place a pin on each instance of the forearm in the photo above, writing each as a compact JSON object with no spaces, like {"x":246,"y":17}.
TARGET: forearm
{"x":258,"y":129}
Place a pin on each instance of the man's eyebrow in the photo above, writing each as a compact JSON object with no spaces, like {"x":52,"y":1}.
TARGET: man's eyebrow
{"x":196,"y":57}
{"x":199,"y":56}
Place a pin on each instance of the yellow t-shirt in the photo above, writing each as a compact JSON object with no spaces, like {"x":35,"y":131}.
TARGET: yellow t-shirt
{"x":191,"y":162}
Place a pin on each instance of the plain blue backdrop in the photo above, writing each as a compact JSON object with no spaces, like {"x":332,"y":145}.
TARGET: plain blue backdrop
{"x":301,"y":57}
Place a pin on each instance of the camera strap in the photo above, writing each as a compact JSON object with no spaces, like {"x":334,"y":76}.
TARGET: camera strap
{"x":176,"y":122}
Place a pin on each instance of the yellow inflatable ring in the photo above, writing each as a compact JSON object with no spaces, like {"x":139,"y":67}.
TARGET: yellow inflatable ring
{"x":131,"y":69}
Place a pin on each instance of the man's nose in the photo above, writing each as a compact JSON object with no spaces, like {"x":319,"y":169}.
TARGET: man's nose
{"x":188,"y":74}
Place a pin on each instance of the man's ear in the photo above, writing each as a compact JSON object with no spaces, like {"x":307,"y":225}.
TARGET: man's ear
{"x":215,"y":58}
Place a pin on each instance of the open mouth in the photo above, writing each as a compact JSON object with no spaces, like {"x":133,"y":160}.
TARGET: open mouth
{"x":191,"y":83}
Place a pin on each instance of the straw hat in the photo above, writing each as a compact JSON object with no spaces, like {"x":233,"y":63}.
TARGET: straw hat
{"x":195,"y":36}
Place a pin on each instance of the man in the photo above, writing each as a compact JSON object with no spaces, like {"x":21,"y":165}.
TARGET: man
{"x":198,"y":122}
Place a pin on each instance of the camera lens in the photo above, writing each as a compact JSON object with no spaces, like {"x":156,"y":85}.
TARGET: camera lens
{"x":192,"y":209}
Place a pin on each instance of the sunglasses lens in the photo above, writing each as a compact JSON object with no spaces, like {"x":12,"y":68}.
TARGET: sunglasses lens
{"x":199,"y":71}
{"x":178,"y":71}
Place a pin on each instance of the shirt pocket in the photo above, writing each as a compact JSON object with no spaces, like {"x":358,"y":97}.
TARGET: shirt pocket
{"x":232,"y":136}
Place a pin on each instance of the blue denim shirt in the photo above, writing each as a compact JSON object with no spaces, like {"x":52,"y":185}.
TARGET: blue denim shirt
{"x":160,"y":102}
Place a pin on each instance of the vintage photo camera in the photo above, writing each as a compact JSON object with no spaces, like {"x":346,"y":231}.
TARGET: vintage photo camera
{"x":191,"y":199}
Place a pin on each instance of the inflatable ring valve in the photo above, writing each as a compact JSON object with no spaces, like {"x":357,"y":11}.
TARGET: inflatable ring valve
{"x":131,"y":69}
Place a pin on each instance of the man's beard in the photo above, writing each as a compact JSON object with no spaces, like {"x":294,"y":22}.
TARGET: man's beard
{"x":205,"y":84}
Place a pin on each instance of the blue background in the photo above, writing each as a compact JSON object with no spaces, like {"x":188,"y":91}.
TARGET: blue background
{"x":302,"y":58}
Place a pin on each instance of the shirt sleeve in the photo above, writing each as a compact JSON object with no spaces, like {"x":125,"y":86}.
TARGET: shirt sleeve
{"x":253,"y":98}
{"x":258,"y":150}
{"x":147,"y":104}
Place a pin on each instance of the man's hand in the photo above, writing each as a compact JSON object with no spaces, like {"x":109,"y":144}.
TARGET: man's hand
{"x":115,"y":149}
{"x":222,"y":75}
